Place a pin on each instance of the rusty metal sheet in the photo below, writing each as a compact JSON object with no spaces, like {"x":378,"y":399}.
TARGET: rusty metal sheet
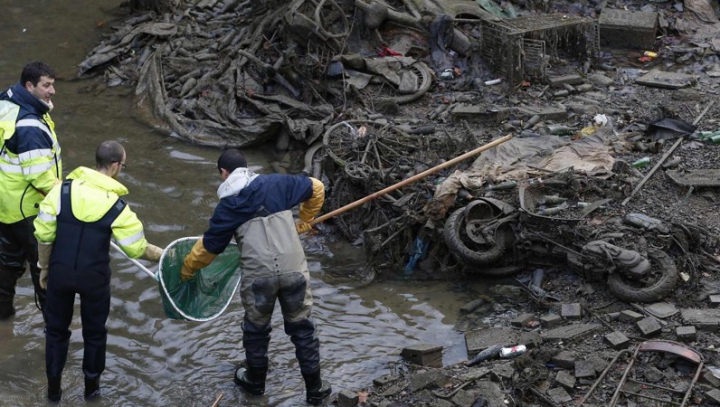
{"x":671,"y":347}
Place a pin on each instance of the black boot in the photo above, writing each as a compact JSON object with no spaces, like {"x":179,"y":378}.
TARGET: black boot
{"x":6,"y":308}
{"x":54,"y":391}
{"x":251,"y":379}
{"x":317,"y":389}
{"x":92,"y":387}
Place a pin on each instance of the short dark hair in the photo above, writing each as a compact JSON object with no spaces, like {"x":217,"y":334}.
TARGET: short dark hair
{"x":107,"y":153}
{"x":231,"y":159}
{"x":34,"y":70}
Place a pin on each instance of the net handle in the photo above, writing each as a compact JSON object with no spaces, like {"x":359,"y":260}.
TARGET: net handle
{"x":137,"y":263}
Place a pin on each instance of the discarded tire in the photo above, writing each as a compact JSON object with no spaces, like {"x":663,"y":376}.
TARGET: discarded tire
{"x":467,"y":251}
{"x":665,"y":278}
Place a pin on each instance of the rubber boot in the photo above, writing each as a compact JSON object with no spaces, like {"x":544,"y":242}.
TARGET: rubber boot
{"x":251,"y":379}
{"x":7,"y":309}
{"x":92,"y":388}
{"x":54,"y":393}
{"x":317,"y":389}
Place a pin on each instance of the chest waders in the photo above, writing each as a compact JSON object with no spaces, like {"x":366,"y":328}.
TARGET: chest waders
{"x":274,"y":268}
{"x":79,"y":264}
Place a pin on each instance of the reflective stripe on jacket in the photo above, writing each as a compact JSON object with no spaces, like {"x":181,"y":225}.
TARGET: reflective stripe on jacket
{"x":30,"y":162}
{"x":93,"y":195}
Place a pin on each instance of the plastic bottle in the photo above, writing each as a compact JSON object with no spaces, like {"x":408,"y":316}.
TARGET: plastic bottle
{"x":515,"y":351}
{"x":489,"y":353}
{"x":643,"y":162}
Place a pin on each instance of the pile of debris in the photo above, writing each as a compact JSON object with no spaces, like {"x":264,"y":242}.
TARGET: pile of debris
{"x":614,"y":160}
{"x":380,"y":91}
{"x":576,"y":346}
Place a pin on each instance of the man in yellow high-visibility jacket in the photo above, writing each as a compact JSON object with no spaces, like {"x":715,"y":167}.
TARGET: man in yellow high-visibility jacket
{"x":74,"y":227}
{"x":30,"y":166}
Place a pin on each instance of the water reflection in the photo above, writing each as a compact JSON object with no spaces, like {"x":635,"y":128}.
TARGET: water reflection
{"x":155,"y":361}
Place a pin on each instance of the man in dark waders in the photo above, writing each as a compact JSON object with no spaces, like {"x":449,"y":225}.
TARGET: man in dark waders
{"x":30,"y":166}
{"x":73,"y":229}
{"x":255,"y":209}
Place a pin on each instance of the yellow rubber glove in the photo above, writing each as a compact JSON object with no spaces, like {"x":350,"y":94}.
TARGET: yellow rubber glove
{"x":44,"y":252}
{"x":195,"y":260}
{"x":310,"y":208}
{"x":152,"y":253}
{"x":302,"y":227}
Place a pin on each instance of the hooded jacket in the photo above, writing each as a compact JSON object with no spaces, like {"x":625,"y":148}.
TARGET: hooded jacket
{"x":30,"y":163}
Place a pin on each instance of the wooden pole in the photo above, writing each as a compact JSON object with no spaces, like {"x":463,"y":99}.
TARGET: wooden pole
{"x":411,"y":179}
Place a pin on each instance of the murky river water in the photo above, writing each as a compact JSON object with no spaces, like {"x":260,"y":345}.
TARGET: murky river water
{"x":151,"y":360}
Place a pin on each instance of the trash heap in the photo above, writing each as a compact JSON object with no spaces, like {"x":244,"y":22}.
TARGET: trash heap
{"x":379,"y":91}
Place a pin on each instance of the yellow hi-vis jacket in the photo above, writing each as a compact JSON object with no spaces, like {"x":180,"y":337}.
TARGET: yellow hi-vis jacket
{"x":30,"y":163}
{"x":92,"y":195}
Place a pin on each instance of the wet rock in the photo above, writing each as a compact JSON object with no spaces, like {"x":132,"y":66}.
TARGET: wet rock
{"x":423,"y":354}
{"x":550,"y":320}
{"x":504,"y":371}
{"x":571,"y":311}
{"x":564,"y":359}
{"x":714,"y":396}
{"x":704,"y":319}
{"x":630,"y":316}
{"x":492,"y":393}
{"x":559,"y":395}
{"x":423,"y":380}
{"x":479,"y":340}
{"x":627,"y":28}
{"x":653,"y":374}
{"x":347,"y":398}
{"x":661,"y":309}
{"x":570,"y":331}
{"x":385,"y":380}
{"x":617,"y":340}
{"x":601,"y":80}
{"x":584,"y":369}
{"x":667,"y":80}
{"x":649,"y":326}
{"x":565,"y":379}
{"x":571,"y":79}
{"x":522,"y":319}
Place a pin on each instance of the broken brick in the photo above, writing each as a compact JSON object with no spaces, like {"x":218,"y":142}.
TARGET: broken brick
{"x":649,"y":326}
{"x":617,"y":340}
{"x":565,"y":379}
{"x":550,"y":320}
{"x":686,"y":333}
{"x":584,"y":369}
{"x":630,"y":316}
{"x":571,"y":311}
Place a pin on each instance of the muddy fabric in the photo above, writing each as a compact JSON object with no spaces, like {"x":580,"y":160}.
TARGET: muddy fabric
{"x":517,"y":158}
{"x":700,"y":23}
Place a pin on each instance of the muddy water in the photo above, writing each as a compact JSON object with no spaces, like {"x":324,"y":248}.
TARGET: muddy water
{"x":152,"y":360}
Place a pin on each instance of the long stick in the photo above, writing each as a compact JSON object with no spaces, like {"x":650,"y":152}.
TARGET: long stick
{"x":649,"y":174}
{"x":137,"y":263}
{"x":411,"y":179}
{"x":666,"y":155}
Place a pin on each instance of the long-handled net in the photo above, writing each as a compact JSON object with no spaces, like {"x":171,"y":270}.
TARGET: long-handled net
{"x":208,"y":294}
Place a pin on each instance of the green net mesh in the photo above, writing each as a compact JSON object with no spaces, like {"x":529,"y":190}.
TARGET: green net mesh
{"x":207,"y":295}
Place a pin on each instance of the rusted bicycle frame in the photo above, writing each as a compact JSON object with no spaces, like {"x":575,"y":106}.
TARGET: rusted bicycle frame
{"x":650,"y":346}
